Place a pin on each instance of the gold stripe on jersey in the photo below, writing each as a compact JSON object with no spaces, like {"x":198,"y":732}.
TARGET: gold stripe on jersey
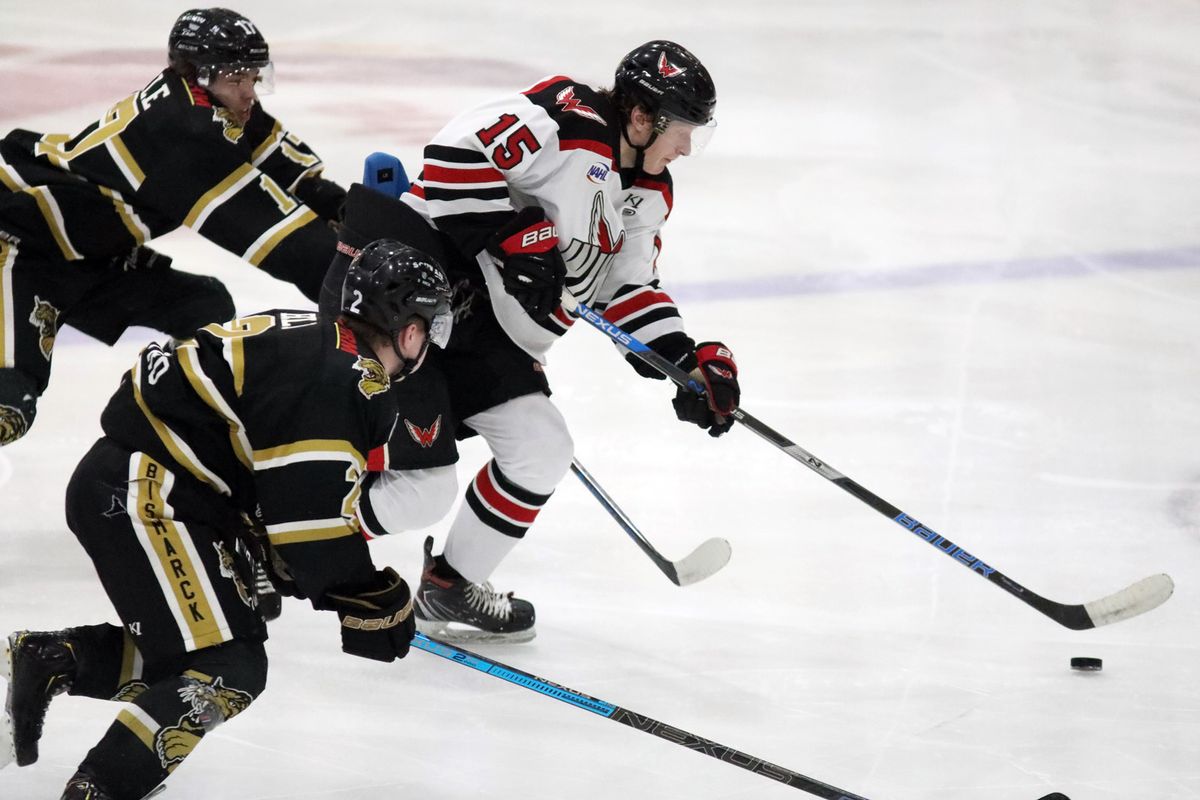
{"x":308,"y":450}
{"x":54,"y":221}
{"x":129,"y":218}
{"x":114,"y":121}
{"x":233,"y":332}
{"x":315,"y":450}
{"x":211,"y":200}
{"x":8,"y":334}
{"x":207,"y":391}
{"x":179,"y":449}
{"x":141,"y":724}
{"x":271,"y":238}
{"x":125,"y":162}
{"x":9,"y":177}
{"x":317,"y":530}
{"x":131,"y":660}
{"x":172,"y":555}
{"x":303,"y":159}
{"x":268,"y":145}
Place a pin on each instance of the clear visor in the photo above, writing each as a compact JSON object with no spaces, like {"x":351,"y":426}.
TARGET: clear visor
{"x":439,"y":329}
{"x":236,"y":76}
{"x":689,"y":137}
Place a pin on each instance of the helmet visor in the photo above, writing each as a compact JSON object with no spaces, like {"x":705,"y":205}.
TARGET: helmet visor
{"x":441,"y":326}
{"x":261,"y":74}
{"x":689,"y":137}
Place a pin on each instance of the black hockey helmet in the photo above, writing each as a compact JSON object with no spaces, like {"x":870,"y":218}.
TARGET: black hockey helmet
{"x":205,"y":40}
{"x":388,"y":284}
{"x":668,"y":81}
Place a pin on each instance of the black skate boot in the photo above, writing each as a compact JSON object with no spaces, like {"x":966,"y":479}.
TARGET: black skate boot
{"x":82,"y":786}
{"x":38,"y":666}
{"x":454,"y":609}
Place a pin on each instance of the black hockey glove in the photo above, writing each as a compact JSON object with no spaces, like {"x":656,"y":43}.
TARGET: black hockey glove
{"x":142,"y":258}
{"x":323,"y":196}
{"x":377,"y":619}
{"x":532,"y":268}
{"x":714,"y":367}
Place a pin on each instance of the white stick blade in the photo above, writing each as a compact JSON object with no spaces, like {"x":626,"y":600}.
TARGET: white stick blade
{"x":702,"y":562}
{"x":1146,"y":594}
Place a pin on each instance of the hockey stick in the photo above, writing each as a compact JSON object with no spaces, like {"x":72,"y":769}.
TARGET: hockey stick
{"x":633,"y":719}
{"x":1138,"y":598}
{"x":702,"y":562}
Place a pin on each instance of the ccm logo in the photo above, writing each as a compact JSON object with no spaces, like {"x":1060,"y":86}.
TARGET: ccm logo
{"x":536,"y":235}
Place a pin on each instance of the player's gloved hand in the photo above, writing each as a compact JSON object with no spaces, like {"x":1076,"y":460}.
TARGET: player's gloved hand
{"x":142,"y":257}
{"x":377,"y":619}
{"x":323,"y":196}
{"x":716,"y":370}
{"x":532,"y":268}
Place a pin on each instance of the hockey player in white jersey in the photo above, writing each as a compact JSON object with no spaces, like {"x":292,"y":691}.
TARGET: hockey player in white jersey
{"x":561,"y":185}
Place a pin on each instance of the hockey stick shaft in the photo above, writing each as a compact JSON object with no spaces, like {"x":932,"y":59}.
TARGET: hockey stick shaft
{"x":626,"y":524}
{"x":632,"y":719}
{"x":1131,"y":601}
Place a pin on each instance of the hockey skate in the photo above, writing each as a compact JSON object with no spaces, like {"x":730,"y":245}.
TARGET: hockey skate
{"x":456,"y":610}
{"x":38,"y":666}
{"x":83,"y":787}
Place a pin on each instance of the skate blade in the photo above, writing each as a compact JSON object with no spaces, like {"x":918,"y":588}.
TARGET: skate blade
{"x":467,"y":635}
{"x":8,"y":750}
{"x":6,"y":661}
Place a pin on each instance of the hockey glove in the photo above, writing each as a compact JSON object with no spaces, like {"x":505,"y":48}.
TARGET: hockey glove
{"x":322,"y":196}
{"x":717,"y":371}
{"x":377,"y":619}
{"x":532,"y":268}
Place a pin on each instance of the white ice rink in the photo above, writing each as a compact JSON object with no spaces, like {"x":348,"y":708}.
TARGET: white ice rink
{"x":955,"y":245}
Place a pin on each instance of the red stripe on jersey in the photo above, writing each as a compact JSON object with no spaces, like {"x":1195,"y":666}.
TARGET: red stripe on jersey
{"x":199,"y":95}
{"x":599,"y":148}
{"x":657,"y":186}
{"x":563,"y":317}
{"x":366,"y":534}
{"x":417,"y":190}
{"x":377,"y":459}
{"x":345,"y":339}
{"x":641,"y":300}
{"x":461,"y":175}
{"x":488,"y":492}
{"x":537,"y":87}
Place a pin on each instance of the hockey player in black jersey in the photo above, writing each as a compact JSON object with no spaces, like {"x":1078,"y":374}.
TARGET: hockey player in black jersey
{"x":192,"y":148}
{"x":268,"y":420}
{"x":560,"y":185}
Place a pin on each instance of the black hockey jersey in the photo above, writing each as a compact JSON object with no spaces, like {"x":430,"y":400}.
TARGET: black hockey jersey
{"x":281,"y":413}
{"x":555,"y":145}
{"x":166,"y":156}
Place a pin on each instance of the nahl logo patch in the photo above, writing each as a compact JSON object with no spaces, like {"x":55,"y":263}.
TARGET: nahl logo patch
{"x":374,"y":379}
{"x":425,"y":436}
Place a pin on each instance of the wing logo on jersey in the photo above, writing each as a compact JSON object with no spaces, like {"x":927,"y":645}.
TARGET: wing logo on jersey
{"x":228,"y":568}
{"x":230,"y":127}
{"x":425,"y":436}
{"x":587,"y":262}
{"x":45,"y":318}
{"x":12,"y":425}
{"x":374,"y":378}
{"x":212,"y":703}
{"x":667,"y":69}
{"x":569,"y":102}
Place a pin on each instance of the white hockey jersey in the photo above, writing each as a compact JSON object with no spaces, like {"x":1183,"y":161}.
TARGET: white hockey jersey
{"x":556,"y":145}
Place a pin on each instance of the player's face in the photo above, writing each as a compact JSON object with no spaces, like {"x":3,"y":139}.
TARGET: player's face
{"x":237,"y":91}
{"x":674,"y":142}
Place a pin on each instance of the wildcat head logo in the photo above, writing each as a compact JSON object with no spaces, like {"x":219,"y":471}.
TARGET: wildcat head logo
{"x":230,"y":127}
{"x":45,"y":318}
{"x":12,"y":425}
{"x":425,"y":436}
{"x":374,"y":379}
{"x":211,"y":703}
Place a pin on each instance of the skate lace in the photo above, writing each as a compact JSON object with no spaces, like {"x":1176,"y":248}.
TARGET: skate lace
{"x":484,"y":598}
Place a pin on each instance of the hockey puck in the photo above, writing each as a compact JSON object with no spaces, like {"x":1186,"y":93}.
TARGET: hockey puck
{"x":1087,"y":664}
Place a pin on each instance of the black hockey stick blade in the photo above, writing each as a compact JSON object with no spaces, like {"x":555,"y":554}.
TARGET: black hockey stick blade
{"x":634,"y":720}
{"x":704,"y":561}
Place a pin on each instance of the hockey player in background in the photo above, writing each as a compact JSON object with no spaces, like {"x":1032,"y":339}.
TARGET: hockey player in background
{"x":192,"y":148}
{"x":272,"y":418}
{"x":558,"y":185}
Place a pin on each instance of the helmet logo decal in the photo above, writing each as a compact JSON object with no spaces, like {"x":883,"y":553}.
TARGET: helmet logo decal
{"x":667,"y":69}
{"x":425,"y":436}
{"x":374,"y":379}
{"x":569,"y":102}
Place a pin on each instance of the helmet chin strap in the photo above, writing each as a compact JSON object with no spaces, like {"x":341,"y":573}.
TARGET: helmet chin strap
{"x":408,"y":365}
{"x":640,"y":160}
